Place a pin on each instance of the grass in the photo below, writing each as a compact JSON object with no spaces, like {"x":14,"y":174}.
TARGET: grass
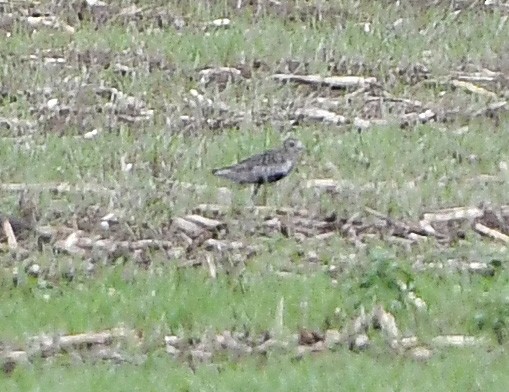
{"x":457,"y":369}
{"x":414,"y":170}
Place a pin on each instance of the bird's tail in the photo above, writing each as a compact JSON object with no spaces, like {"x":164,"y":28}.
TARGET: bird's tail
{"x":220,"y":172}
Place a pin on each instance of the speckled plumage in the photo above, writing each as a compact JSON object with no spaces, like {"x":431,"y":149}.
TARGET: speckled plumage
{"x":266,"y":167}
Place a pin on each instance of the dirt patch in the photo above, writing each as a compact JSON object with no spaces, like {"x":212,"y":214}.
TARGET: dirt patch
{"x":210,"y":235}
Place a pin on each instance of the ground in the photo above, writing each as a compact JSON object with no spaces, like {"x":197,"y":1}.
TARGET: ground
{"x":379,"y":264}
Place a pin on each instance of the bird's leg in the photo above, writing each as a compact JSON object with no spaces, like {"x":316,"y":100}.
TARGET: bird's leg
{"x":264,"y":197}
{"x":255,"y":191}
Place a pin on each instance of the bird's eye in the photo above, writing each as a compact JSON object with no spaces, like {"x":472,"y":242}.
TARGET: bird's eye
{"x":291,"y":143}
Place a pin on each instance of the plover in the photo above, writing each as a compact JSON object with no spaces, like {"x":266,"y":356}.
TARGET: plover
{"x":266,"y":167}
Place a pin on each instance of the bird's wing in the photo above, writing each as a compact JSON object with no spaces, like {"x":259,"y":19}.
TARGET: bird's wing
{"x":273,"y":169}
{"x":258,"y":159}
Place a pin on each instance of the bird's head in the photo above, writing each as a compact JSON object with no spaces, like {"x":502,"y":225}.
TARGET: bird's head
{"x":293,"y":146}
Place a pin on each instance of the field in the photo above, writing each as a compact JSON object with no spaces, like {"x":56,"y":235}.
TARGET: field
{"x":378,"y":264}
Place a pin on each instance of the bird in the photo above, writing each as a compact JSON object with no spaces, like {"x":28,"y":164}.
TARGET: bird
{"x":266,"y":167}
